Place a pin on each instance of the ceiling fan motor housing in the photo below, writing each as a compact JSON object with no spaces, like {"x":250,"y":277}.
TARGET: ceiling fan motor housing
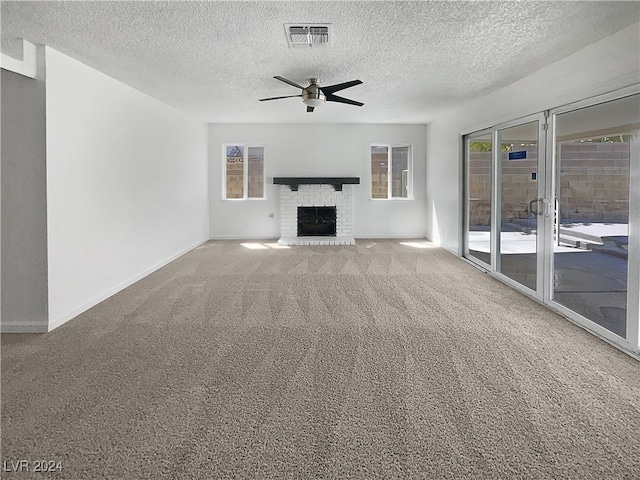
{"x":312,"y":95}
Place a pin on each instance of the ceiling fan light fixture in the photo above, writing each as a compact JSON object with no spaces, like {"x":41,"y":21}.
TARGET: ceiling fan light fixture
{"x":313,"y":102}
{"x":313,"y":96}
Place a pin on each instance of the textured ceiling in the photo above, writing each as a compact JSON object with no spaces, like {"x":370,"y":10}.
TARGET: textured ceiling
{"x":216,"y":59}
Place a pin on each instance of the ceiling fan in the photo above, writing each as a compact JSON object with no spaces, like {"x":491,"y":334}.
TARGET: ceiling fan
{"x":314,"y":95}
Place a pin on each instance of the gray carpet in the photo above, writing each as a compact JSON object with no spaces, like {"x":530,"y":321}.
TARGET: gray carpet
{"x":371,"y":361}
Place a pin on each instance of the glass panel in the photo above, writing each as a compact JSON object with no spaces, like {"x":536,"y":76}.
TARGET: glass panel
{"x":518,"y":203}
{"x":400,"y":172}
{"x":590,"y":259}
{"x":255,"y":173}
{"x":479,"y":197}
{"x":379,"y":171}
{"x":234,"y":178}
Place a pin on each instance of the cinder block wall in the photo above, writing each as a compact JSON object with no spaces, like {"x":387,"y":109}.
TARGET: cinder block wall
{"x":379,"y":175}
{"x":234,"y":177}
{"x":594,"y":183}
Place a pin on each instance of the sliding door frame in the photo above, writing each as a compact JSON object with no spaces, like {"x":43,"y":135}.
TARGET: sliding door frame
{"x":497,"y":199}
{"x":496,"y":193}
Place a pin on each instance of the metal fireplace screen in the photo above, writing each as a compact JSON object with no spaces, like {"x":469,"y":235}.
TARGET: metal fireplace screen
{"x":316,"y":221}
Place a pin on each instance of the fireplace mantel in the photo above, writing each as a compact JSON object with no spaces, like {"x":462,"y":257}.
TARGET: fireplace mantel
{"x":337,"y":182}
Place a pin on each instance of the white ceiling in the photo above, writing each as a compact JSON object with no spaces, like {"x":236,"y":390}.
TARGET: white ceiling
{"x":216,"y":59}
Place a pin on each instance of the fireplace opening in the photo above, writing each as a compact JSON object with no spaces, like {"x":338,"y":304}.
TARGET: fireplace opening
{"x":316,"y":221}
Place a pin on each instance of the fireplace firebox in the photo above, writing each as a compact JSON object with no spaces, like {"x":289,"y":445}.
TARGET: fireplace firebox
{"x":316,"y":221}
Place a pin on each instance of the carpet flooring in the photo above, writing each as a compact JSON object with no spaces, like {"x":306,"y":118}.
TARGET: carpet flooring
{"x":379,"y":360}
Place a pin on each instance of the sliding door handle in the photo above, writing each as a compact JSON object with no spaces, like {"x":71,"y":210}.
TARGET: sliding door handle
{"x":531,"y":206}
{"x":534,"y":206}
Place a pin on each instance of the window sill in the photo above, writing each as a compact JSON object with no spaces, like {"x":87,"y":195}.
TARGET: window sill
{"x":243,"y":199}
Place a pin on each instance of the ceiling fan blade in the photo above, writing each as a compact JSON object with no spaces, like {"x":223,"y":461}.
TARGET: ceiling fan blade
{"x":339,"y":86}
{"x":336,"y":98}
{"x":293,"y":84}
{"x":309,"y":109}
{"x":278,"y":98}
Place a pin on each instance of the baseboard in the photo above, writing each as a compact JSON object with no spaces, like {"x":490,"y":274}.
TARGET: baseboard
{"x":244,"y":237}
{"x":420,"y":235}
{"x":452,"y":252}
{"x":53,"y":324}
{"x":24,"y":328}
{"x":406,"y":236}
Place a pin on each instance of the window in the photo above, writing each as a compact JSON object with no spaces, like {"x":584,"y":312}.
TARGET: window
{"x":391,"y":175}
{"x":244,"y":172}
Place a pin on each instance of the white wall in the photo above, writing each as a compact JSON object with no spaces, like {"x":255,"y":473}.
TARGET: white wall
{"x":24,"y":205}
{"x":127,"y":186}
{"x":320,"y":151}
{"x":605,"y":66}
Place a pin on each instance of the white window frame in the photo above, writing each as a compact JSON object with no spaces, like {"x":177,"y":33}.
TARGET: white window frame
{"x":390,"y":147}
{"x":245,"y":171}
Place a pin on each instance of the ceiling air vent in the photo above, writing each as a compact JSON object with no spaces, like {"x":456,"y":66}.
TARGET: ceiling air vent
{"x":308,"y":35}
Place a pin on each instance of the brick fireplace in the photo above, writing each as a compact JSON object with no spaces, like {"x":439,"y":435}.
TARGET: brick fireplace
{"x":316,"y":192}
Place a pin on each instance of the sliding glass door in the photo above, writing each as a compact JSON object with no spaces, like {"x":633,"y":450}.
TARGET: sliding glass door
{"x":504,"y":201}
{"x":592,"y":167}
{"x":552,"y":207}
{"x":519,"y":205}
{"x":479,"y":167}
